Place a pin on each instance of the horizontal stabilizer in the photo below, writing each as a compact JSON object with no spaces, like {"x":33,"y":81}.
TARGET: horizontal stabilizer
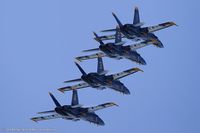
{"x":109,"y":30}
{"x":107,"y":37}
{"x":92,"y":56}
{"x":69,"y":88}
{"x":74,"y":80}
{"x":46,"y":112}
{"x":91,"y":50}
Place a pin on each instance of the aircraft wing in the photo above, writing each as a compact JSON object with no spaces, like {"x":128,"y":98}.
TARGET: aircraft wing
{"x":101,"y":106}
{"x":92,"y":56}
{"x":160,"y":26}
{"x":109,"y":37}
{"x":141,"y":44}
{"x":125,"y":73}
{"x":48,"y":117}
{"x":78,"y":86}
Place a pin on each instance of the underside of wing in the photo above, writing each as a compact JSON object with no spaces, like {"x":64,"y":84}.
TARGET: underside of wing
{"x":48,"y":117}
{"x":140,"y":45}
{"x":92,"y":56}
{"x":125,"y":73}
{"x":109,"y":37}
{"x":101,"y":106}
{"x":78,"y":86}
{"x":160,"y":26}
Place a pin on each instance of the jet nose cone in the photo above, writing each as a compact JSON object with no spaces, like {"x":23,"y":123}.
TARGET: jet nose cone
{"x":118,"y":86}
{"x":134,"y":56}
{"x":101,"y":122}
{"x":141,"y":61}
{"x":126,"y":91}
{"x":159,"y":44}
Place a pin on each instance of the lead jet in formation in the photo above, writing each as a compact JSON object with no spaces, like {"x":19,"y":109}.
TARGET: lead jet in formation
{"x":100,"y":80}
{"x":117,"y":50}
{"x":135,"y":32}
{"x":74,"y":112}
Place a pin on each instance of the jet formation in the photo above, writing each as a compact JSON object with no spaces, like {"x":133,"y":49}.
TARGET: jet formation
{"x":100,"y":80}
{"x":134,"y":32}
{"x":117,"y":50}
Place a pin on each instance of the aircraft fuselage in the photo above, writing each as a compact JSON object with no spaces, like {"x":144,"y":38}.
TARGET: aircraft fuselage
{"x":77,"y":113}
{"x":98,"y":81}
{"x":120,"y":51}
{"x":132,"y":32}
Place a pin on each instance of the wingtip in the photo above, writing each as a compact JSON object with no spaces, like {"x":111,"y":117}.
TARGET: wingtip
{"x":60,"y":89}
{"x":138,"y":69}
{"x":95,"y":34}
{"x":77,"y":61}
{"x":114,"y":104}
{"x":113,"y":13}
{"x":173,"y":23}
{"x":33,"y":119}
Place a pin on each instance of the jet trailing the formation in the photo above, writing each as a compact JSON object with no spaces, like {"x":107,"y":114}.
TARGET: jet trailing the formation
{"x":117,"y":50}
{"x":74,"y":112}
{"x":136,"y":32}
{"x":100,"y":80}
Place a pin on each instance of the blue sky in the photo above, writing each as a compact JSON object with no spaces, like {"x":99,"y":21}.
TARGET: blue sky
{"x":40,"y":38}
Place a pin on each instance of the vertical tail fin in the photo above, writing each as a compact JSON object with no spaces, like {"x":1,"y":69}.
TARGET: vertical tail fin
{"x":98,"y":39}
{"x":79,"y":67}
{"x":75,"y":98}
{"x":118,"y":37}
{"x":100,"y":67}
{"x":118,"y":21}
{"x":54,"y":100}
{"x":136,"y":19}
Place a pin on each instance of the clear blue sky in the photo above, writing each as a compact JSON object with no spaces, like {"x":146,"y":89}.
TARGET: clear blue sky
{"x":40,"y":38}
